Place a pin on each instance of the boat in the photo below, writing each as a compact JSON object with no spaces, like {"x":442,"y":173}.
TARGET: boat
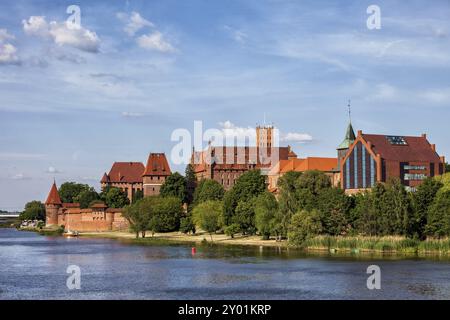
{"x":70,"y":233}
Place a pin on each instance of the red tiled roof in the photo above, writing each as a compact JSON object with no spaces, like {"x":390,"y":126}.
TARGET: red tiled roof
{"x":99,"y":205}
{"x":53,"y":196}
{"x":300,"y":165}
{"x":124,"y":172}
{"x":70,"y":205}
{"x":157,"y":165}
{"x":416,"y":149}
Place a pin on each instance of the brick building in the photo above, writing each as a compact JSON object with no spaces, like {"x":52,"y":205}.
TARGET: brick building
{"x":227,"y":164}
{"x":156,"y":172}
{"x":375,"y":158}
{"x":126,"y":176}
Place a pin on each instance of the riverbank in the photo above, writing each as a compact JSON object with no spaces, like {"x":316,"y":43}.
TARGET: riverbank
{"x":355,"y":245}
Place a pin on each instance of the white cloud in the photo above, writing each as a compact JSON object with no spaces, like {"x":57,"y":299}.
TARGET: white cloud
{"x":20,"y":156}
{"x":229,"y":130}
{"x":133,"y":22}
{"x":53,"y":170}
{"x":296,"y":137}
{"x":237,"y":35}
{"x":62,"y":34}
{"x":4,"y":35}
{"x":20,"y":176}
{"x":131,"y":114}
{"x":8,"y":54}
{"x":155,"y":41}
{"x":438,"y":96}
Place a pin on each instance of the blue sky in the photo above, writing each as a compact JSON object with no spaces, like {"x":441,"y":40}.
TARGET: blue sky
{"x":73,"y":102}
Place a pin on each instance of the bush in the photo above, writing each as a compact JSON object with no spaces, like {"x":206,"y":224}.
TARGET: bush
{"x":304,"y":225}
{"x":232,"y":229}
{"x":187,"y":225}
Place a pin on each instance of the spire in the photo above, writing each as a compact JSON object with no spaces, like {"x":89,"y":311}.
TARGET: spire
{"x":53,"y":196}
{"x":350,"y":134}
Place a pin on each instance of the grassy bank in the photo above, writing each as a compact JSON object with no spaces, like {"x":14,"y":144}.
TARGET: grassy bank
{"x":378,"y":244}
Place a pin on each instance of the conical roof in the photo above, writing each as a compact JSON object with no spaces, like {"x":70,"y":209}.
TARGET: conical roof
{"x":53,"y":196}
{"x":349,"y":138}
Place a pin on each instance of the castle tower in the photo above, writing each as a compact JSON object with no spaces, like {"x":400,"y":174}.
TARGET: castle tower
{"x":345,"y":144}
{"x":264,"y":136}
{"x":52,"y":206}
{"x":156,"y":172}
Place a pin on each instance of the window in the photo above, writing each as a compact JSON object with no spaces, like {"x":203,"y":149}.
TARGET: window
{"x":407,"y":167}
{"x":397,"y":140}
{"x":415,"y":176}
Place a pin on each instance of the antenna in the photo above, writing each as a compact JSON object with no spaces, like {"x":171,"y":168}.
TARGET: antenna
{"x":349,"y":110}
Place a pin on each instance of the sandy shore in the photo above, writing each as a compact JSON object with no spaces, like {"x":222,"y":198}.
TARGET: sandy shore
{"x":197,"y":238}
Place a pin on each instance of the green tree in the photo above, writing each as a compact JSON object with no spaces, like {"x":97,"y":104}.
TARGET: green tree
{"x":138,"y":216}
{"x":439,"y":215}
{"x":187,"y":225}
{"x":288,"y":203}
{"x":304,"y":225}
{"x":34,"y":210}
{"x":308,"y":187}
{"x":244,"y":216}
{"x":447,"y":167}
{"x":86,"y":197}
{"x":208,"y":216}
{"x":232,"y":229}
{"x":174,"y":186}
{"x":208,"y":189}
{"x":191,"y":183}
{"x":422,"y":200}
{"x":138,"y":195}
{"x":334,"y":206}
{"x":69,"y":191}
{"x":265,"y":208}
{"x":115,"y":197}
{"x":165,"y":213}
{"x":248,"y":185}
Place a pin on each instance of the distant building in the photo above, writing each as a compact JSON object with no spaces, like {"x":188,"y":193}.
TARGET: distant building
{"x":326,"y":165}
{"x":227,"y":164}
{"x":156,"y":172}
{"x":126,"y":176}
{"x":134,"y":176}
{"x":375,"y":158}
{"x":97,"y":218}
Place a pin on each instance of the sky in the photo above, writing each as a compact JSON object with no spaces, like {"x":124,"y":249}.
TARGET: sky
{"x":76,"y":98}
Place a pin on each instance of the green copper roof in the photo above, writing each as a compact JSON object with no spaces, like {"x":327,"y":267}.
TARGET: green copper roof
{"x":349,"y":138}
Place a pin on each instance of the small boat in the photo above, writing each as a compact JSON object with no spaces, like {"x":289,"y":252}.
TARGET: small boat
{"x":70,"y":233}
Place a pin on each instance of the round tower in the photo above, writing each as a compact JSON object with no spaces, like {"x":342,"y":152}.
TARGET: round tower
{"x":52,"y":206}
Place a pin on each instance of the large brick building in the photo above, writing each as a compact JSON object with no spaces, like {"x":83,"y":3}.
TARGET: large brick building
{"x":134,"y":176}
{"x":227,"y":164}
{"x":375,"y":158}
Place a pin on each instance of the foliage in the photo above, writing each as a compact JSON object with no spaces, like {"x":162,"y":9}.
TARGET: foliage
{"x":187,"y":225}
{"x":248,"y":185}
{"x":69,"y":191}
{"x":191,"y":183}
{"x":333,"y":206}
{"x":174,"y":186}
{"x":165,"y":213}
{"x":439,"y":215}
{"x":138,"y":195}
{"x":208,"y":216}
{"x":86,"y":197}
{"x":34,"y":210}
{"x":244,"y":216}
{"x":232,"y":229}
{"x":304,"y":225}
{"x":265,"y":208}
{"x":208,"y":189}
{"x":114,"y":197}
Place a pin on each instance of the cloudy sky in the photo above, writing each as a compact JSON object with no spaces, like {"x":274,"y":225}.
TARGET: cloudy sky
{"x":74,"y":100}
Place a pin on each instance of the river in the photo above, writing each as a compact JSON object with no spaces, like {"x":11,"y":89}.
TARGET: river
{"x":34,"y":267}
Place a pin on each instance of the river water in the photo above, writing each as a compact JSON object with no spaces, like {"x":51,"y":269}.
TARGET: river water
{"x":34,"y":267}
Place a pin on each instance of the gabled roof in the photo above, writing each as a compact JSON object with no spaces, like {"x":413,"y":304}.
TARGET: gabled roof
{"x":124,"y":172}
{"x":415,"y":149}
{"x":53,"y":196}
{"x":349,"y":138}
{"x":157,"y":165}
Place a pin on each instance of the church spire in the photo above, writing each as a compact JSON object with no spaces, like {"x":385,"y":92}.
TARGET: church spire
{"x":53,"y":196}
{"x":350,"y":134}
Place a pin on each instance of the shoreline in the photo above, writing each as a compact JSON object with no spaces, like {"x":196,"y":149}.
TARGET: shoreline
{"x":342,"y":245}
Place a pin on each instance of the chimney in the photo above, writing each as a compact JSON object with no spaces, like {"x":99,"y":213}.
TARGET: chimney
{"x":359,"y":133}
{"x":433,"y":147}
{"x":424,"y":135}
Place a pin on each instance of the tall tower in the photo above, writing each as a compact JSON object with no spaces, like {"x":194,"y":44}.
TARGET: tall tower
{"x":156,"y":172}
{"x":348,"y":140}
{"x":52,"y":206}
{"x":264,"y":136}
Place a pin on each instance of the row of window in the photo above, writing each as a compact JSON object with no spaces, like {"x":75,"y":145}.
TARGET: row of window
{"x":408,"y":167}
{"x":414,"y":176}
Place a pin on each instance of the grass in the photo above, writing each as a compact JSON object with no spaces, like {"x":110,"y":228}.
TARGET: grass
{"x":378,"y":244}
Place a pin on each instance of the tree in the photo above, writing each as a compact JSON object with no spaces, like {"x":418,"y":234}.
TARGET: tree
{"x":208,"y":189}
{"x":165,"y":213}
{"x":208,"y":216}
{"x":265,"y":208}
{"x":69,"y":191}
{"x":422,"y":200}
{"x":34,"y":210}
{"x":334,"y":206}
{"x":288,"y":203}
{"x":439,"y":215}
{"x":304,"y":225}
{"x":115,"y":197}
{"x":137,"y":216}
{"x":86,"y":197}
{"x":231,"y":230}
{"x":244,"y":216}
{"x":248,"y":185}
{"x":138,"y":195}
{"x":447,"y":167}
{"x":308,"y":187}
{"x":174,"y":186}
{"x":191,"y":183}
{"x":187,"y":225}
